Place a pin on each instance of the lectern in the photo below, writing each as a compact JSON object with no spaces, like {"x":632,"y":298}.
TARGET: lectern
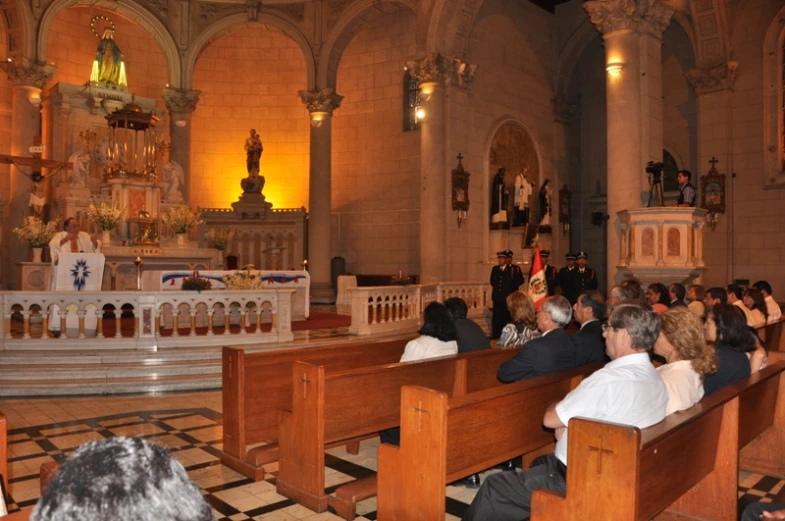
{"x":77,"y":272}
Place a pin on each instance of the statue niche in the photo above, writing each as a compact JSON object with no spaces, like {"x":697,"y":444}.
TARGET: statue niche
{"x":252,"y":202}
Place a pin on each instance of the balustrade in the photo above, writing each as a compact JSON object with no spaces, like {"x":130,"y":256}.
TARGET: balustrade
{"x":83,"y":316}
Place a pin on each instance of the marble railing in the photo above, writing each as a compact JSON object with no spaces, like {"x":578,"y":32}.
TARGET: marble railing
{"x":384,"y":309}
{"x":149,"y":320}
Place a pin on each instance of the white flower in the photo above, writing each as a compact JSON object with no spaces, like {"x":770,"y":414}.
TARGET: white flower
{"x":181,"y":218}
{"x":35,"y":233}
{"x":105,"y":216}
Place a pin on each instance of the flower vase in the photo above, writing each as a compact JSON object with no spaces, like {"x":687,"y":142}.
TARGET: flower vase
{"x":182,"y":238}
{"x":106,"y":237}
{"x":37,"y":254}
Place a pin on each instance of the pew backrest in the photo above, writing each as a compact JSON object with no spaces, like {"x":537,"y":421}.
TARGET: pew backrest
{"x":4,"y":452}
{"x":257,"y":385}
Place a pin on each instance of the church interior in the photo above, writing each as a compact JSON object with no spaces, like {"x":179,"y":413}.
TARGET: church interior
{"x":408,"y":137}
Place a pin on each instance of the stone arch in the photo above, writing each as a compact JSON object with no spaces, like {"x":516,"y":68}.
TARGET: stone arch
{"x":451,"y":25}
{"x":225,"y":25}
{"x":711,"y":33}
{"x":347,"y":26}
{"x":128,"y":9}
{"x":773,"y":152}
{"x":18,"y":27}
{"x":571,"y":53}
{"x":486,"y":188}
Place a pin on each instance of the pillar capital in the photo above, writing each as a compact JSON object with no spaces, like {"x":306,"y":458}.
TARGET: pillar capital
{"x":721,"y":77}
{"x":563,"y":110}
{"x":644,"y":16}
{"x":26,"y":72}
{"x":181,"y":100}
{"x":325,"y":100}
{"x":432,"y":68}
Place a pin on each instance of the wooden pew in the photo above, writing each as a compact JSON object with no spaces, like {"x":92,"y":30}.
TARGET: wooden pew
{"x":771,"y":335}
{"x":684,"y":467}
{"x":329,"y":408}
{"x":4,"y":452}
{"x":444,"y":439}
{"x":257,"y":385}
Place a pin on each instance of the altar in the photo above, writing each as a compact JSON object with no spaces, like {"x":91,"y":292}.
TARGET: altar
{"x":300,"y":281}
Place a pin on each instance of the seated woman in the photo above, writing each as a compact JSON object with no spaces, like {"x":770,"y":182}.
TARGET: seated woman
{"x":657,"y":297}
{"x":438,"y":336}
{"x":524,"y":321}
{"x":755,"y":302}
{"x":726,"y":326}
{"x":688,"y":359}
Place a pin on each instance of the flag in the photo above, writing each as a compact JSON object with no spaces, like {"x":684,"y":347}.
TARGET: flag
{"x":538,"y":287}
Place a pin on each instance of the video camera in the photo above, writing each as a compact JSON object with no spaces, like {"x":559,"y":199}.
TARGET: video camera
{"x":655,"y":169}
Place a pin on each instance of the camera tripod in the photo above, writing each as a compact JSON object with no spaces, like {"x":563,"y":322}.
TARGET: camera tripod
{"x":655,"y":190}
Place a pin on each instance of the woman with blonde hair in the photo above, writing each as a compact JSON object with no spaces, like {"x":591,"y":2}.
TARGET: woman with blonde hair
{"x":682,"y":343}
{"x":524,"y":321}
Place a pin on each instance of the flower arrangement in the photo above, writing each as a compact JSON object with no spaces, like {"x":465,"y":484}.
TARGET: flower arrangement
{"x":243,"y":280}
{"x":105,"y":216}
{"x":400,"y":279}
{"x":181,"y":218}
{"x":35,"y":233}
{"x":195,"y":282}
{"x":218,"y":238}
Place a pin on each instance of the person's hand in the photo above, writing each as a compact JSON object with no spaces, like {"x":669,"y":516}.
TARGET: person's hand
{"x":68,"y":238}
{"x":94,"y":240}
{"x":560,"y":432}
{"x":779,"y":514}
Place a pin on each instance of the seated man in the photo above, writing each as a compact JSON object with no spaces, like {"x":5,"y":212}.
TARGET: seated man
{"x":627,"y":390}
{"x":714,"y":297}
{"x":773,"y":309}
{"x":619,"y":295}
{"x":588,"y":311}
{"x":757,"y":511}
{"x":553,"y":351}
{"x":735,"y":295}
{"x":127,"y":479}
{"x":471,"y":337}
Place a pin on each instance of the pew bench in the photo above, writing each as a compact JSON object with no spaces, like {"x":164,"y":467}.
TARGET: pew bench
{"x":685,"y":467}
{"x":445,"y":439}
{"x":329,"y":408}
{"x":257,"y":385}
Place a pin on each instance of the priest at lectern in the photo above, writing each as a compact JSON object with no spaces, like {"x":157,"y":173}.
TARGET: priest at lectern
{"x":72,"y":240}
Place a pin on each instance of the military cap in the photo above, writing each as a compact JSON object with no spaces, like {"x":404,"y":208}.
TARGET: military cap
{"x":583,"y":255}
{"x":545,"y":253}
{"x":571,"y":256}
{"x":508,"y":254}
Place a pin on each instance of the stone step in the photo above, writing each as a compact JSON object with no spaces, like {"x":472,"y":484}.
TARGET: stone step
{"x":109,"y":371}
{"x":108,"y":356}
{"x":44,"y":387}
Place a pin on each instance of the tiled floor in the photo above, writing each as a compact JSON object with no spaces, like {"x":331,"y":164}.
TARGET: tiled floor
{"x":42,"y":430}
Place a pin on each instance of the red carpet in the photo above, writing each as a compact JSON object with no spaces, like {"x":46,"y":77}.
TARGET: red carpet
{"x":319,"y":320}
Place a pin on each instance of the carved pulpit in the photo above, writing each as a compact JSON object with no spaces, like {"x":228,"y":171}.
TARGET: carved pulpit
{"x":663,"y":244}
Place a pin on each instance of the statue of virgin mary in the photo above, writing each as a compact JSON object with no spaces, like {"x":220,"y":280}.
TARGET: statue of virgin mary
{"x":108,"y":67}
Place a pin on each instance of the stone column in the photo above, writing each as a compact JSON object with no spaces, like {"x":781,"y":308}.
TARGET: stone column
{"x":632,"y":30}
{"x":28,"y":78}
{"x":431,"y":72}
{"x":181,"y":104}
{"x":321,"y":105}
{"x":713,"y":87}
{"x":563,"y":112}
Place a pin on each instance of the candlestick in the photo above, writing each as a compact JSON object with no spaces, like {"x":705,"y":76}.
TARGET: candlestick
{"x":139,"y":263}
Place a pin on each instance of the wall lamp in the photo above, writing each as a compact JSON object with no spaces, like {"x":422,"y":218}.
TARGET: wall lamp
{"x":34,"y":100}
{"x":419,"y":113}
{"x":316,"y":118}
{"x":614,"y":68}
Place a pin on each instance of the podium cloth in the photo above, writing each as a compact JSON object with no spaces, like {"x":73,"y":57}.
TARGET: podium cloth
{"x":77,"y":272}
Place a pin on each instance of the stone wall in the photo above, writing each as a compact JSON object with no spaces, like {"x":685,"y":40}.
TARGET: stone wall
{"x":376,"y":165}
{"x":249,"y":78}
{"x":72,"y":46}
{"x":680,"y":109}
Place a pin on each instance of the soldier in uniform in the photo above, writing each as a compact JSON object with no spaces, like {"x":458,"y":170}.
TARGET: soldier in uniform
{"x":551,"y":274}
{"x":568,"y":281}
{"x":502,"y":284}
{"x":516,"y":273}
{"x":587,"y":277}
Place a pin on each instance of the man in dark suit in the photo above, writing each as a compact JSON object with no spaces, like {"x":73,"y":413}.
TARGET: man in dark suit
{"x":589,"y":309}
{"x":550,"y":272}
{"x":502,"y":286}
{"x":677,"y":292}
{"x":516,"y":273}
{"x":567,"y":280}
{"x":471,"y":337}
{"x":553,"y":351}
{"x":587,"y":277}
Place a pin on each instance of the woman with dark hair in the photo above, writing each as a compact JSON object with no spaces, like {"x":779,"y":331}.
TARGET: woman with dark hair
{"x":759,"y":313}
{"x":657,"y":297}
{"x":438,"y":336}
{"x":524,"y":321}
{"x":726,"y":326}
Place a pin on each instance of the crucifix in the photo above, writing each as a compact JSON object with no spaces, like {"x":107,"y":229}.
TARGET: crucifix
{"x":713,"y":162}
{"x":35,"y":164}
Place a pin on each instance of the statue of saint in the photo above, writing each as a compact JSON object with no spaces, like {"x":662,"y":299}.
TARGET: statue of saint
{"x":546,"y":191}
{"x":108,"y":67}
{"x":81,"y":170}
{"x":173,"y":182}
{"x":253,"y":153}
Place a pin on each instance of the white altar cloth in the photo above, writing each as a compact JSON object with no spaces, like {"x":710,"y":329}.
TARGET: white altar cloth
{"x":299,"y":280}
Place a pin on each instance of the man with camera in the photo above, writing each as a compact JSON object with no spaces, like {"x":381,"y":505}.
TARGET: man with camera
{"x":687,"y":192}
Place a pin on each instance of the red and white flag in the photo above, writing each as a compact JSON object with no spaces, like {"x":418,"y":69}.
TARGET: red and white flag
{"x":538,"y":287}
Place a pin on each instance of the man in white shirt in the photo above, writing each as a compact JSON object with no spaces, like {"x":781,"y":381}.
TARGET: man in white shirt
{"x":71,"y":240}
{"x":627,"y":390}
{"x":772,"y":308}
{"x":735,"y":296}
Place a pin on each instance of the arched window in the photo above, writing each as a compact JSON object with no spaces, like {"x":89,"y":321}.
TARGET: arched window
{"x":411,"y":101}
{"x":669,"y":171}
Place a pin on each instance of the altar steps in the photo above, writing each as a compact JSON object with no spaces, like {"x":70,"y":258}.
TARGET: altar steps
{"x":30,"y":373}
